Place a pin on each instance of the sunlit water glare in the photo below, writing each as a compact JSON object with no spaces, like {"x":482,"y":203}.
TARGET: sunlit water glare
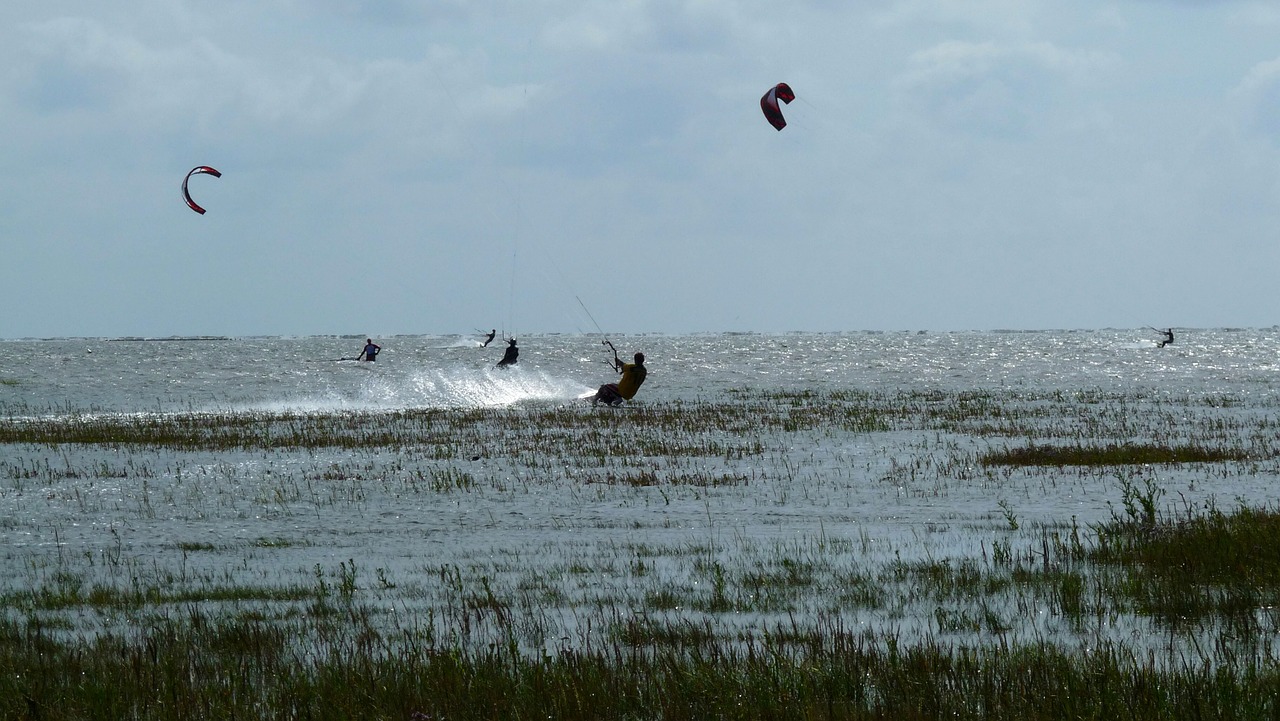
{"x":261,"y":516}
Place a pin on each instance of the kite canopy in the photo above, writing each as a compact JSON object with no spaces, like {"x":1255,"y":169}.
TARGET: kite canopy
{"x":195,"y":171}
{"x":769,"y":104}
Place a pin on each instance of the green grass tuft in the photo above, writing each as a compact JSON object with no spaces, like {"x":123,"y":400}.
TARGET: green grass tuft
{"x":1113,"y":454}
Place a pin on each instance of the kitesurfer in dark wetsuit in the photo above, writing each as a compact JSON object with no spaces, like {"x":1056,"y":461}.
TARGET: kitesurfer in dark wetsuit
{"x":371,"y":350}
{"x":633,"y":374}
{"x":489,"y":338}
{"x":509,"y":357}
{"x":1168,"y":338}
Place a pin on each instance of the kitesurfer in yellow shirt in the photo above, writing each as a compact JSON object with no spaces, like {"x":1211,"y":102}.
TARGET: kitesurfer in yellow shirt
{"x":633,"y":375}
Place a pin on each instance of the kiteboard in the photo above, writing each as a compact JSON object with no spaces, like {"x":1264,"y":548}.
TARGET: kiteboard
{"x":590,"y":397}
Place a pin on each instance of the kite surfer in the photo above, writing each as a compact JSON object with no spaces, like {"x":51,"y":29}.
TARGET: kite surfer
{"x":371,"y":350}
{"x":489,"y":338}
{"x":1168,"y":337}
{"x":509,"y":357}
{"x":633,"y":374}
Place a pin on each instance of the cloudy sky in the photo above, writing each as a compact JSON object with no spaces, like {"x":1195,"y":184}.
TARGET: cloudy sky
{"x":437,"y":166}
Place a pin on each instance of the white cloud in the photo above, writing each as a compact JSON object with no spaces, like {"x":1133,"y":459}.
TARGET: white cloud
{"x":1258,"y":99}
{"x":619,"y":26}
{"x":76,"y":75}
{"x":937,"y":142}
{"x":990,"y":89}
{"x":1003,"y":17}
{"x":1254,"y":16}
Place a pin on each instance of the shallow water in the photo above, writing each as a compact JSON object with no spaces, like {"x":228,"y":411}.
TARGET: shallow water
{"x":451,"y":371}
{"x":854,"y":500}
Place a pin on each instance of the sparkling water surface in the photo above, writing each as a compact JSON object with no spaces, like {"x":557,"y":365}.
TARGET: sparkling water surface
{"x":450,"y":371}
{"x":522,"y":517}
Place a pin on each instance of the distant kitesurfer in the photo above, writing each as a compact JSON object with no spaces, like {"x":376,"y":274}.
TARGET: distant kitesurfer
{"x":371,"y":350}
{"x":1168,"y":338}
{"x":511,"y":354}
{"x":489,"y":338}
{"x":633,"y":374}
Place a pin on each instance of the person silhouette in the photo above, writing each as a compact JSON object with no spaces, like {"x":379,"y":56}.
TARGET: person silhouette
{"x":511,"y":355}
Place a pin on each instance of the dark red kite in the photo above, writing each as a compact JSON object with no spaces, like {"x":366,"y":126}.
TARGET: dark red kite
{"x":769,"y":104}
{"x":187,"y":196}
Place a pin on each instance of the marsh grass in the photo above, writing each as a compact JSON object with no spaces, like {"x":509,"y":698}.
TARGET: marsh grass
{"x":221,"y":652}
{"x":105,"y":598}
{"x":710,"y":624}
{"x":1112,"y":454}
{"x":191,"y":665}
{"x":1199,"y":432}
{"x":1199,"y":567}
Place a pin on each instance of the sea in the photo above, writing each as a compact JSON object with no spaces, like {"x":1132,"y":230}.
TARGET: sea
{"x":136,"y":375}
{"x":130,"y":515}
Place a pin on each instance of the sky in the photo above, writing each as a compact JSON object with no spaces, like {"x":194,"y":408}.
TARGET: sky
{"x":442,"y":166}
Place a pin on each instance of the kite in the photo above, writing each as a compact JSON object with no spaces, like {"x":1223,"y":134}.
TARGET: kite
{"x":769,"y":104}
{"x":187,"y":196}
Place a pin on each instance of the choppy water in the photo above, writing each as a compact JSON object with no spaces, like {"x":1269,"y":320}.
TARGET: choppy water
{"x":91,"y":507}
{"x":450,"y":371}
